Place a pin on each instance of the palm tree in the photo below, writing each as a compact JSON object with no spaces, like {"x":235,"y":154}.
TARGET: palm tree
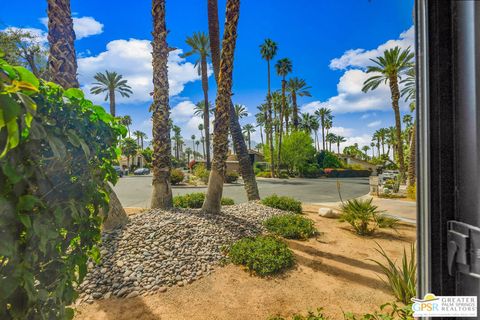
{"x":323,"y":114}
{"x":268,"y":50}
{"x":260,"y":119}
{"x":111,"y":82}
{"x":161,"y":163}
{"x":177,"y":137}
{"x":365,"y":150}
{"x":389,"y":68}
{"x":202,"y":138}
{"x":197,"y":144}
{"x":409,"y":92}
{"x":296,"y":87}
{"x":283,"y":67}
{"x":199,"y":109}
{"x":381,"y":135}
{"x":140,"y":137}
{"x":200,"y":46}
{"x":212,"y":203}
{"x":193,"y":144}
{"x":376,"y":137}
{"x":331,"y":138}
{"x":248,"y":129}
{"x":126,"y":121}
{"x":309,"y":124}
{"x":240,"y":111}
{"x":62,"y":61}
{"x":372,"y":145}
{"x":62,"y":69}
{"x":338,"y":140}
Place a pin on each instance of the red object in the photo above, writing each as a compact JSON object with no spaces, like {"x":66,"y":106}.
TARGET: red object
{"x":191,"y":164}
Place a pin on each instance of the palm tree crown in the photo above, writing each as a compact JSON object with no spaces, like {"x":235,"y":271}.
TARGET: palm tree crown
{"x":200,"y":45}
{"x":268,"y":49}
{"x":283,"y":67}
{"x":111,"y":82}
{"x":240,"y":111}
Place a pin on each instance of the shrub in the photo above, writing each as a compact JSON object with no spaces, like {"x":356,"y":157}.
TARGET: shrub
{"x":412,"y":192}
{"x":201,"y":172}
{"x":327,"y":159}
{"x":291,"y":226}
{"x":402,"y":279}
{"x":176,"y":176}
{"x":394,"y":313}
{"x":346,"y":173}
{"x":365,"y":217}
{"x":262,"y":255}
{"x":195,"y":200}
{"x":264,"y":174}
{"x":311,"y":170}
{"x":283,"y":203}
{"x":56,"y":160}
{"x":231,"y":177}
{"x":319,"y":315}
{"x":283,"y":175}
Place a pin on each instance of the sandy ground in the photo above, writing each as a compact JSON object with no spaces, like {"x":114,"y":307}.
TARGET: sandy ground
{"x":332,"y":271}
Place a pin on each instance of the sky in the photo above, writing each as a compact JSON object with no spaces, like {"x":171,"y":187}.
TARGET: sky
{"x":329,"y":42}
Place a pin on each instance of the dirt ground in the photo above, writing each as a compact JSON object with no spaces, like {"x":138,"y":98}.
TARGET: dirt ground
{"x":332,"y":271}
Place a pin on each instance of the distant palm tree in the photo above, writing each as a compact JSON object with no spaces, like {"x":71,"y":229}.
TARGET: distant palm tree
{"x":177,"y":137}
{"x":331,"y":138}
{"x":389,"y":68}
{"x":409,"y":93}
{"x":372,"y":145}
{"x":111,"y":82}
{"x":200,"y":46}
{"x":202,"y":138}
{"x":260,"y":119}
{"x":248,"y":129}
{"x":338,"y":140}
{"x":296,"y":86}
{"x":140,"y":137}
{"x":268,"y":50}
{"x":240,"y":111}
{"x":197,"y":143}
{"x":199,"y":109}
{"x":127,"y":122}
{"x":365,"y":150}
{"x":193,"y":137}
{"x":323,"y":114}
{"x":309,"y":124}
{"x":283,"y":67}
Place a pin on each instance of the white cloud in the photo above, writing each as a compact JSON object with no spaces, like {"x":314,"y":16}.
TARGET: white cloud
{"x":374,"y":124}
{"x":133,"y":59}
{"x":342,"y":131}
{"x":368,"y":115}
{"x":84,"y":26}
{"x":360,"y":58}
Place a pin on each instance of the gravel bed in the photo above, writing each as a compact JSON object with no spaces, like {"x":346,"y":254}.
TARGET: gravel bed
{"x":159,"y":249}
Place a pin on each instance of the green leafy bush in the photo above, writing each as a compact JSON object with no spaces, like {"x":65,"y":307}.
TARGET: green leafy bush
{"x":201,"y":172}
{"x":365,"y":217}
{"x":412,"y":192}
{"x":346,"y":173}
{"x":327,"y":159}
{"x":402,"y":278}
{"x":57,"y":151}
{"x":291,"y":226}
{"x":176,"y":176}
{"x":388,"y":311}
{"x":283,"y":203}
{"x":319,"y":315}
{"x":231,"y":177}
{"x":195,"y":200}
{"x":264,"y":174}
{"x":263,"y":255}
{"x":310,"y":170}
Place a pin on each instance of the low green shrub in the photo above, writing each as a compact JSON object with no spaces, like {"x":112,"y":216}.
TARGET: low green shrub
{"x":291,"y":226}
{"x":319,"y":315}
{"x":176,"y":176}
{"x":201,"y":172}
{"x":264,"y":174}
{"x":346,"y":173}
{"x":283,"y":203}
{"x":195,"y":200}
{"x":402,"y":279}
{"x":262,"y":255}
{"x":231,"y":177}
{"x":283,"y":175}
{"x":365,"y":217}
{"x":412,"y":192}
{"x":388,"y":311}
{"x":310,"y":170}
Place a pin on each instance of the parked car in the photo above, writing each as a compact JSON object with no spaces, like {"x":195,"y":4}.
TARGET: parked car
{"x":118,"y":170}
{"x":141,"y":171}
{"x":388,"y":174}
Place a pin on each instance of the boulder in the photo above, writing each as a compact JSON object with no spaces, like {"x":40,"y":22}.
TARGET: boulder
{"x":328,"y":213}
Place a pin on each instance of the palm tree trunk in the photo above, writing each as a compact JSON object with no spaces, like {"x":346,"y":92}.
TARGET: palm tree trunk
{"x":62,"y":62}
{"x":261,"y":134}
{"x":323,"y":133}
{"x":161,"y":164}
{"x":338,"y":147}
{"x":239,"y":146}
{"x":223,"y":104}
{"x":398,"y":124}
{"x":206,"y":111}
{"x":270,"y":123}
{"x":111,"y":96}
{"x":412,"y":163}
{"x":280,"y":133}
{"x":295,"y":111}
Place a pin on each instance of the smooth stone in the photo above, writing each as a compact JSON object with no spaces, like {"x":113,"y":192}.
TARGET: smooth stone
{"x":132,"y":294}
{"x":328,"y":213}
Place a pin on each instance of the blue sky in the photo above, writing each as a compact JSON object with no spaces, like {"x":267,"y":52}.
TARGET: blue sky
{"x":329,"y":42}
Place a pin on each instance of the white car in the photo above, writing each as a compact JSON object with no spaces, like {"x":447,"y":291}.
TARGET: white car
{"x":388,"y":174}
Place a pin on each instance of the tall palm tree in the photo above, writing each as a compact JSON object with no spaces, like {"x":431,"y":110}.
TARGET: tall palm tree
{"x":372,"y":145}
{"x":140,"y":137}
{"x":177,"y":137}
{"x":331,"y":138}
{"x":111,"y":82}
{"x":297,"y":87}
{"x":365,"y":150}
{"x":409,"y":93}
{"x":376,"y":137}
{"x":268,"y":50}
{"x":212,"y":203}
{"x":62,"y":69}
{"x":62,"y":60}
{"x":161,"y":163}
{"x":193,"y":137}
{"x":248,"y":129}
{"x":200,"y":45}
{"x":323,"y":114}
{"x":283,"y":67}
{"x":246,"y":168}
{"x":338,"y":140}
{"x":240,"y":111}
{"x":197,"y":144}
{"x":199,"y":109}
{"x":309,"y":124}
{"x":202,"y":138}
{"x":260,"y":119}
{"x":389,"y":68}
{"x":127,"y":122}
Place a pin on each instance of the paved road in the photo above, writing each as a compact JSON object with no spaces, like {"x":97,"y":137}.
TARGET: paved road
{"x":136,"y":191}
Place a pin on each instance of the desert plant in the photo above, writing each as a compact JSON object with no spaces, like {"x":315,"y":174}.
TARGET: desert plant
{"x":195,"y":200}
{"x":201,"y":172}
{"x":264,"y":174}
{"x":291,"y":226}
{"x":319,"y":315}
{"x":176,"y":176}
{"x":364,"y":216}
{"x":262,"y":255}
{"x":283,"y":203}
{"x":395,"y":312}
{"x":402,"y":279}
{"x":231,"y":177}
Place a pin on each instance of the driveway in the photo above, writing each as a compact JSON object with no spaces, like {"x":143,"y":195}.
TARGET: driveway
{"x":135,"y":191}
